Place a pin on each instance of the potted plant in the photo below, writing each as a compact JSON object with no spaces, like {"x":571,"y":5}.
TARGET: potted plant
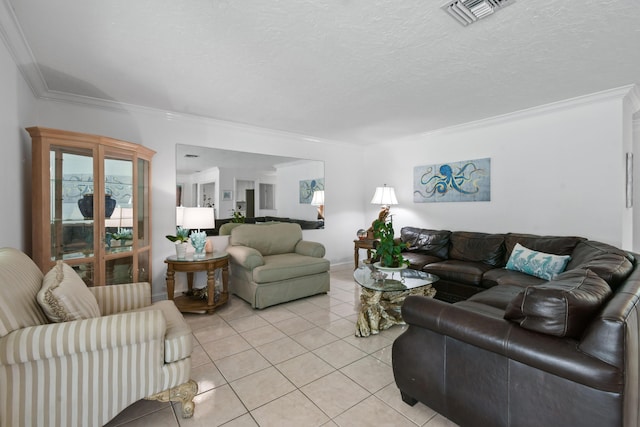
{"x":180,"y":239}
{"x":237,"y":217}
{"x":388,"y":250}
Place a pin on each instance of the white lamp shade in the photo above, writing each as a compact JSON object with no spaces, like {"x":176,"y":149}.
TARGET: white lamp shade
{"x":198,"y":218}
{"x":318,"y":198}
{"x":179,"y":216}
{"x":384,"y":196}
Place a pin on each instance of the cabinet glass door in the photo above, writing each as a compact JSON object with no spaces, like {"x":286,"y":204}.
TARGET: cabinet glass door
{"x":71,"y":208}
{"x":118,"y":185}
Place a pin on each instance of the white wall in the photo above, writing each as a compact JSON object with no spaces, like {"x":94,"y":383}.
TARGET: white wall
{"x":554,"y":170}
{"x":161,"y":132}
{"x":17,"y":111}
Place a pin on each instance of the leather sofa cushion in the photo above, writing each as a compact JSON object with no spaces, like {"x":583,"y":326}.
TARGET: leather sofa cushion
{"x":465,"y":272}
{"x":477,"y":247}
{"x":557,"y":245}
{"x":429,"y":242}
{"x":502,"y":276}
{"x":610,"y":263}
{"x":562,"y":307}
{"x":417,"y":260}
{"x":498,"y":296}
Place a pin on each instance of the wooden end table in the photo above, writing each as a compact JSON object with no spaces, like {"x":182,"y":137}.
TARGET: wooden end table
{"x":368,"y":244}
{"x":210,"y":263}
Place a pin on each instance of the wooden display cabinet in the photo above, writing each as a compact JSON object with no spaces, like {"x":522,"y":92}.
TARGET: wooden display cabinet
{"x":91,"y":205}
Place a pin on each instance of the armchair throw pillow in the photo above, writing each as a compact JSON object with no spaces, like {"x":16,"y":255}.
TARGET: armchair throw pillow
{"x":65,"y":297}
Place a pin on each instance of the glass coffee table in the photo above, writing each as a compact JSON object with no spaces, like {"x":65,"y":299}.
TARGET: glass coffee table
{"x":382,"y":294}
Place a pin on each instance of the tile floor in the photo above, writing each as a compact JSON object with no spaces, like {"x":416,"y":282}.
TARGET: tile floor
{"x":296,"y":364}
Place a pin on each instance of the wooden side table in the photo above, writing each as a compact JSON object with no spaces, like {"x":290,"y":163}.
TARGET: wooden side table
{"x":358,"y":244}
{"x":211,"y":262}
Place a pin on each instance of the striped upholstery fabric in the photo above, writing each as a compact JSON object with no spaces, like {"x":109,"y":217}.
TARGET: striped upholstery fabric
{"x":178,"y":339}
{"x":84,"y":372}
{"x":20,"y":281}
{"x":116,"y":299}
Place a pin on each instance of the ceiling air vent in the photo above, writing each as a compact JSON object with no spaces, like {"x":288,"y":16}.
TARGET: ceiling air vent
{"x":469,"y":11}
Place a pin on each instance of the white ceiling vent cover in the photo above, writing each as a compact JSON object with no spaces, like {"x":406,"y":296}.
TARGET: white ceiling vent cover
{"x":469,"y":11}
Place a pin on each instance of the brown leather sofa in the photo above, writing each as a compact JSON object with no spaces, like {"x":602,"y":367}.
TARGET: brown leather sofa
{"x":516,"y":350}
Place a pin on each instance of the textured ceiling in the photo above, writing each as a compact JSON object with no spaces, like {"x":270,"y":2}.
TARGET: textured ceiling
{"x":359,"y":71}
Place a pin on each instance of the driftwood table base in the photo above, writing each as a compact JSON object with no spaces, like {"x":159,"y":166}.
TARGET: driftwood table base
{"x":379,"y":310}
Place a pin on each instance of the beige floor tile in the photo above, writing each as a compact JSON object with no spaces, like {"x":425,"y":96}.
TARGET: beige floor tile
{"x":372,"y":412}
{"x":335,"y":393}
{"x":281,"y":350}
{"x":276,"y":314}
{"x":294,"y":325}
{"x":384,"y":355}
{"x":345,"y":296}
{"x":235,"y":309}
{"x":321,"y":317}
{"x":303,"y":369}
{"x":199,"y":356}
{"x":344,"y":309}
{"x":369,"y":344}
{"x":314,"y":338}
{"x":339,"y":353}
{"x":241,"y":364}
{"x":213,"y":408}
{"x":198,"y":321}
{"x":341,"y":328}
{"x":247,"y":323}
{"x":208,"y":377}
{"x":370,"y":373}
{"x":244,"y":421}
{"x":226,"y":347}
{"x":263,"y":335}
{"x":214,"y":333}
{"x":302,"y":306}
{"x":262,"y":387}
{"x":417,"y":413}
{"x":291,"y":410}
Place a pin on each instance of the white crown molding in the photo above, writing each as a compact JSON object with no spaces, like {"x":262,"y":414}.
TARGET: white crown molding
{"x":633,"y":99}
{"x":629,"y":93}
{"x":11,"y":34}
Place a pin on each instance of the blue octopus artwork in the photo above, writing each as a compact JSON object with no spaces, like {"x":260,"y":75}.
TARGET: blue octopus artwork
{"x":454,"y":182}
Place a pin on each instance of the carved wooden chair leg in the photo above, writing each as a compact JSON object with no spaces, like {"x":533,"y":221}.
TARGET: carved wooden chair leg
{"x":183,"y":393}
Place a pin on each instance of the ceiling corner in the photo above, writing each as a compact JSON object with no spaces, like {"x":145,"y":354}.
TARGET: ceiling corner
{"x":11,"y":34}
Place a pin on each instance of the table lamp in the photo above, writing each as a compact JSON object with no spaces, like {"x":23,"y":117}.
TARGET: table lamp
{"x":385,"y":197}
{"x":318,"y":200}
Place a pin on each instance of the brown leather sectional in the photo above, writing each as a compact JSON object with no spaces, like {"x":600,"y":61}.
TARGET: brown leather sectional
{"x":510,"y":349}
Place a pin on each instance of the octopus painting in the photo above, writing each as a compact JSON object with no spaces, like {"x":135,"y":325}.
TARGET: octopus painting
{"x":460,"y":181}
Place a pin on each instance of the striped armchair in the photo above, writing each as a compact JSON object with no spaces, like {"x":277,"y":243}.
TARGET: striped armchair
{"x":84,"y":372}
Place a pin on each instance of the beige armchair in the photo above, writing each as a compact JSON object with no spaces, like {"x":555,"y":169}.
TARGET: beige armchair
{"x":272,"y":264}
{"x":84,"y":372}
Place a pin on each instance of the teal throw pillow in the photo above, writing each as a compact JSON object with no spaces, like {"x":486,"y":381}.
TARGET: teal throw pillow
{"x":534,"y":263}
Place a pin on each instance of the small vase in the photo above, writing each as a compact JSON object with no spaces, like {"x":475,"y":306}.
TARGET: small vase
{"x":199,"y":253}
{"x":181,"y":250}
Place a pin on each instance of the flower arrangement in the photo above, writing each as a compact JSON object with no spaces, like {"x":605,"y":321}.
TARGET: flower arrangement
{"x":182,"y":235}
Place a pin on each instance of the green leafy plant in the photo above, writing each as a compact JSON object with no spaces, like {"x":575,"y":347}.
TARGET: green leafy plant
{"x":388,"y":250}
{"x":182,"y":235}
{"x":123,"y":235}
{"x":237,"y":217}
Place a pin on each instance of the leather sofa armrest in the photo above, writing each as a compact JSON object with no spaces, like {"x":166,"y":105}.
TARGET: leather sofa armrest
{"x":487,"y":330}
{"x":314,"y":249}
{"x":245,"y":256}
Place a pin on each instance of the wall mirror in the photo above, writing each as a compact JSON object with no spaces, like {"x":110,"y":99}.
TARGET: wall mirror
{"x":255,"y":187}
